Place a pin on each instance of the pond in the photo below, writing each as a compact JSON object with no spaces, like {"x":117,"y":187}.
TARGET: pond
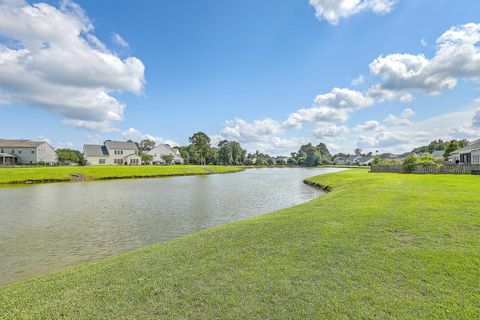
{"x":47,"y":227}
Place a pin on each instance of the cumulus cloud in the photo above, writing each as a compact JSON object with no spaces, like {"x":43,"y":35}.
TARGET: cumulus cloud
{"x":370,"y":125}
{"x":330,"y":107}
{"x":329,"y":130}
{"x":257,"y":130}
{"x":334,"y":10}
{"x":50,"y":58}
{"x":457,"y":57}
{"x":136,"y":135}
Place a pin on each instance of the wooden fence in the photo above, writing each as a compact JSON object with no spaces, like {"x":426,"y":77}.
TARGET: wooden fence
{"x":422,"y":169}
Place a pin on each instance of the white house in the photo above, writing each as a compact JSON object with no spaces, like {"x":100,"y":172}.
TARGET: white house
{"x":353,"y":159}
{"x":163,"y":150}
{"x":112,"y":153}
{"x":366,"y":161}
{"x":340,"y":160}
{"x":26,"y":152}
{"x":469,"y":154}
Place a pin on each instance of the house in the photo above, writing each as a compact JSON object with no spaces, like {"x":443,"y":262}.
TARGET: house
{"x":163,"y":150}
{"x":438,"y":153}
{"x":26,"y":152}
{"x":405,"y":155}
{"x":366,"y":161}
{"x":111,"y":153}
{"x":387,"y":156}
{"x":353,"y":159}
{"x":340,"y":160}
{"x":469,"y":154}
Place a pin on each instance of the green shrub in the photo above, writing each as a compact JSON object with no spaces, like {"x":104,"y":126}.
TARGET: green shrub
{"x":409,"y":163}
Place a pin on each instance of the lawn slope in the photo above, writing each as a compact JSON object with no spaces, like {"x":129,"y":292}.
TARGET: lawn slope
{"x":379,"y":246}
{"x":56,"y":174}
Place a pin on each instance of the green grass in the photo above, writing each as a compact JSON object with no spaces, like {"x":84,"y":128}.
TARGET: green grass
{"x":52,"y":174}
{"x":379,"y":246}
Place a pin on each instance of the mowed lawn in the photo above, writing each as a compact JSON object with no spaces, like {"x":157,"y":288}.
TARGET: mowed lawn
{"x":39,"y":174}
{"x":379,"y":246}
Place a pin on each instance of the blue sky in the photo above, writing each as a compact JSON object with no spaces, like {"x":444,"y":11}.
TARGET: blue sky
{"x":375,"y":74}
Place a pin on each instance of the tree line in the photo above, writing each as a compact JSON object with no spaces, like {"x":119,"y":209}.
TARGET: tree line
{"x":200,"y":151}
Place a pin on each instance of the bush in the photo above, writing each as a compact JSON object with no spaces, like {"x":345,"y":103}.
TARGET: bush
{"x":409,"y":163}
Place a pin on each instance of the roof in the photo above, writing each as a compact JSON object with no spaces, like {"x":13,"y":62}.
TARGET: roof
{"x":407,"y":154}
{"x":438,"y":153}
{"x":95,"y":150}
{"x":131,"y":155}
{"x":20,"y":143}
{"x":365,"y":159}
{"x":8,"y":155}
{"x":471,"y":146}
{"x":163,"y":149}
{"x":121,"y":145}
{"x":388,"y":156}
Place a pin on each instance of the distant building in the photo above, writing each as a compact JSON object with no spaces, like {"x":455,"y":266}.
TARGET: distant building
{"x":26,"y":152}
{"x":354,"y":159}
{"x":469,"y":154}
{"x":366,"y":161}
{"x":438,"y":153}
{"x":340,"y":160}
{"x":112,"y":153}
{"x":405,"y":155}
{"x":163,"y":150}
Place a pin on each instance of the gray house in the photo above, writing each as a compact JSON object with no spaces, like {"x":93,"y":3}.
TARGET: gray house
{"x":469,"y":154}
{"x":112,"y":153}
{"x":26,"y":152}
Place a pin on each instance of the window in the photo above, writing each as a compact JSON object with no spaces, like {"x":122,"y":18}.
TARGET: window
{"x":33,"y":151}
{"x":19,"y":151}
{"x":1,"y":150}
{"x":101,"y":161}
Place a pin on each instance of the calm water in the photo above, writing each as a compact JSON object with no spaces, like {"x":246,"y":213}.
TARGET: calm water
{"x":46,"y":227}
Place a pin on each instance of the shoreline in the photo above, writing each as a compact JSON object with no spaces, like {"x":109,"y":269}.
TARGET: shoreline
{"x":190,"y":170}
{"x":286,"y":262}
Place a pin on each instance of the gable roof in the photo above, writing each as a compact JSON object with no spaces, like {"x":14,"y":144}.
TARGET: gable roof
{"x":95,"y":150}
{"x":20,"y":143}
{"x":471,"y":146}
{"x":438,"y":153}
{"x":121,"y":145}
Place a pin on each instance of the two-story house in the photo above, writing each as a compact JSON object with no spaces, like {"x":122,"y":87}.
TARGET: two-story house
{"x":112,"y":153}
{"x":162,"y":150}
{"x":26,"y":152}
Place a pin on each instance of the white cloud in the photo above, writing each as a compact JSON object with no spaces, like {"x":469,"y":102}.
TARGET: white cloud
{"x":358,"y":80}
{"x":136,"y":135}
{"x":257,"y":130}
{"x":334,"y":10}
{"x":397,"y":121}
{"x":329,"y":130}
{"x":407,"y":113}
{"x":117,"y":39}
{"x":330,"y":107}
{"x":52,"y":59}
{"x":370,"y":125}
{"x":457,"y":57}
{"x":424,"y":42}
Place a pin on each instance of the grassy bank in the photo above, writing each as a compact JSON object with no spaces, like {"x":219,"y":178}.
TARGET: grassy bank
{"x":379,"y":246}
{"x":73,"y":173}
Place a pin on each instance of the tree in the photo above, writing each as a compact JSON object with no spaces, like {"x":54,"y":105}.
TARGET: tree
{"x":409,"y":163}
{"x":357,"y":151}
{"x":66,"y":155}
{"x":225,"y":155}
{"x":146,"y":158}
{"x":146,"y":145}
{"x":201,"y":145}
{"x":168,"y":158}
{"x":377,"y":160}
